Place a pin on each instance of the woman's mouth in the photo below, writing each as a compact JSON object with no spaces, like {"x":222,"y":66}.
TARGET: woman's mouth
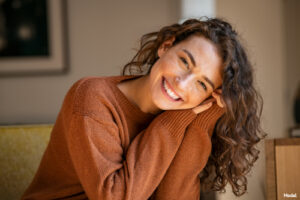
{"x":169,"y":91}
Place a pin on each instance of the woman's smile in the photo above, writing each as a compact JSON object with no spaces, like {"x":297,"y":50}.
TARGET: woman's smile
{"x":169,"y":92}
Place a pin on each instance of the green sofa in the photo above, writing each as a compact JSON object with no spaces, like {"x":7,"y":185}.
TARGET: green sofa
{"x":21,"y":150}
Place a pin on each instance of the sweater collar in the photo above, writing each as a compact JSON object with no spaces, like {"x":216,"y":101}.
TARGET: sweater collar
{"x":134,"y":110}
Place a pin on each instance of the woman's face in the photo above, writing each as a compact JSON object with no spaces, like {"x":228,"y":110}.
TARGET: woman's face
{"x":185,"y":74}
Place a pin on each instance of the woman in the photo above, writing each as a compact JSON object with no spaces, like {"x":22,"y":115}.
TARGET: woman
{"x":193,"y":112}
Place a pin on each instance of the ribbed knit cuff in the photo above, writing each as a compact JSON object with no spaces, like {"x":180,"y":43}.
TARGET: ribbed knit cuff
{"x":209,"y":117}
{"x":176,"y":121}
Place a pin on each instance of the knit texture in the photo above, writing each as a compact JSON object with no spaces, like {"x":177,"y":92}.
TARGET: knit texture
{"x":104,"y":147}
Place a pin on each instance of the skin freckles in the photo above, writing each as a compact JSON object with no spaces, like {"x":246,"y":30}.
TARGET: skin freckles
{"x":190,"y":69}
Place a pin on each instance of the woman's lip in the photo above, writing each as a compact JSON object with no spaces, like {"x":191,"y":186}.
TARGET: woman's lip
{"x":163,"y":89}
{"x":170,"y":87}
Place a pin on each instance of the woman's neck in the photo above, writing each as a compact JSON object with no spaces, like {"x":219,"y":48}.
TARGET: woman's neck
{"x":138,"y":92}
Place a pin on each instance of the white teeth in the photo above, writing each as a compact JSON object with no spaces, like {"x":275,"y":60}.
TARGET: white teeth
{"x":169,"y":91}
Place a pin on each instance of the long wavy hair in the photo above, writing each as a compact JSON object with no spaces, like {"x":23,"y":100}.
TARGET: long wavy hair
{"x":238,"y":131}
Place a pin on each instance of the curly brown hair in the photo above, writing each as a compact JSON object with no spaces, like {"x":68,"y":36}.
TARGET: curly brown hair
{"x":238,"y":131}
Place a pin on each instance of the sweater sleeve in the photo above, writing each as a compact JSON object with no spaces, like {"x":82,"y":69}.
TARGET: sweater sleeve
{"x":182,"y":180}
{"x":105,"y":171}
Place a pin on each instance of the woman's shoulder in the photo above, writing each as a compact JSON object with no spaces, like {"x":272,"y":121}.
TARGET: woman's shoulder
{"x":90,"y":89}
{"x":93,"y":93}
{"x":98,"y":82}
{"x":83,"y":88}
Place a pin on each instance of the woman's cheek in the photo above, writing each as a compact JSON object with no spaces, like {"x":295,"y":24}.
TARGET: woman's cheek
{"x":199,"y":97}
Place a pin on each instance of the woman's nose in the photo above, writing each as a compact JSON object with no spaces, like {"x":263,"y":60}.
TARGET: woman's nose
{"x":184,"y":81}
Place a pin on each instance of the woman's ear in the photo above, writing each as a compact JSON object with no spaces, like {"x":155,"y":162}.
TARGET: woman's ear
{"x":167,"y":44}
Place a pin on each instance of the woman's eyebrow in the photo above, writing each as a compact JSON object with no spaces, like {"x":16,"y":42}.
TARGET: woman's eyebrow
{"x":190,"y":56}
{"x":209,"y":81}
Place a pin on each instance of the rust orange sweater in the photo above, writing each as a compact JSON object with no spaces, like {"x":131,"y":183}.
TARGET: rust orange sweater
{"x":104,"y":147}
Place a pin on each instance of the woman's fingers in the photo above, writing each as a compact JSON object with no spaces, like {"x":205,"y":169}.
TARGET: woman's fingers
{"x":218,"y":91}
{"x":208,"y":101}
{"x":202,"y":108}
{"x":204,"y":105}
{"x":218,"y":98}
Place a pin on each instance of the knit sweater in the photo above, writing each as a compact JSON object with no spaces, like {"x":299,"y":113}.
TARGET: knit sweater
{"x":102,"y":146}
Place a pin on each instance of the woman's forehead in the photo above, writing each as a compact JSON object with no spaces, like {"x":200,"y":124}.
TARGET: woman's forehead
{"x":201,"y":49}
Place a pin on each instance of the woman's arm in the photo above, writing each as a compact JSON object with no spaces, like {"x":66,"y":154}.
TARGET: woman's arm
{"x":106,"y":171}
{"x":182,"y":180}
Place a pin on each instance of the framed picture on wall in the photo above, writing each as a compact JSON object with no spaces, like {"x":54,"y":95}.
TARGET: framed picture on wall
{"x":33,"y":37}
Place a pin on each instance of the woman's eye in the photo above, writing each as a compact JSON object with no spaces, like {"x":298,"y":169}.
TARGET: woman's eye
{"x":203,"y":85}
{"x":184,"y":62}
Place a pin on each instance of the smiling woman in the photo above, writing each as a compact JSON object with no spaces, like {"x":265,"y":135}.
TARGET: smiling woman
{"x":204,"y":61}
{"x":190,"y":116}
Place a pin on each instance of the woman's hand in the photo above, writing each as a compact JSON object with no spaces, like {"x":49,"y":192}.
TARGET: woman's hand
{"x":204,"y":105}
{"x":217,"y":94}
